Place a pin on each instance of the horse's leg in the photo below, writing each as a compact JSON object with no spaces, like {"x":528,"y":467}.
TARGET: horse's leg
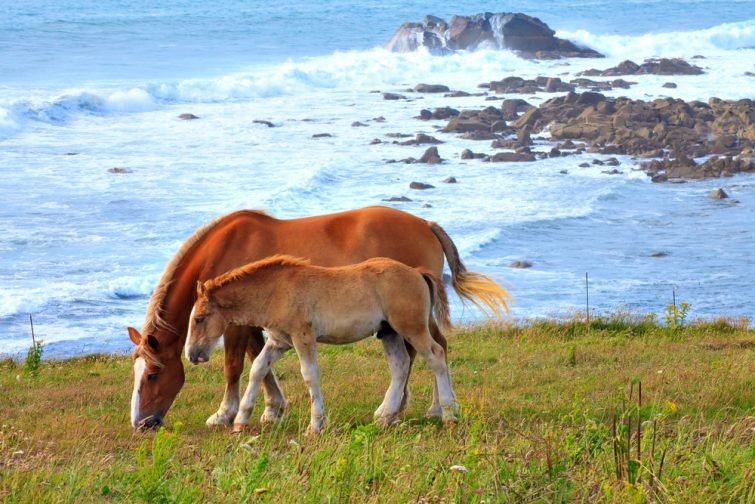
{"x":398,"y":363}
{"x":261,"y":366}
{"x":235,"y":340}
{"x":435,"y":409}
{"x":306,"y":348}
{"x":435,"y":356}
{"x":275,"y":402}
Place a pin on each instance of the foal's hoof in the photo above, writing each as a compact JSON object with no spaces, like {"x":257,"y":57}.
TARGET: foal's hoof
{"x":449,"y":413}
{"x":386,"y":421}
{"x":434,"y":411}
{"x":220,"y":420}
{"x":313,"y":431}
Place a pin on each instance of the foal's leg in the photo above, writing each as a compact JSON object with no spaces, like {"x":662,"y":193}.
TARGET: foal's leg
{"x":236,"y":341}
{"x":275,"y":402}
{"x":260,"y":368}
{"x":435,"y":356}
{"x":398,"y":363}
{"x":435,"y":409}
{"x":306,"y":348}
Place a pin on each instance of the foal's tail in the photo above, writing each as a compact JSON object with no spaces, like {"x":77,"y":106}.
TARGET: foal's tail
{"x":438,"y":299}
{"x":477,"y":288}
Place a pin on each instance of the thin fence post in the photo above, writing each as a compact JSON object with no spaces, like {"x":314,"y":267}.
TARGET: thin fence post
{"x":33,"y":340}
{"x":587,"y":298}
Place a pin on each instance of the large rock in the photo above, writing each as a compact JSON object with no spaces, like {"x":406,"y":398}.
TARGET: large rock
{"x":526,"y":35}
{"x":660,"y":66}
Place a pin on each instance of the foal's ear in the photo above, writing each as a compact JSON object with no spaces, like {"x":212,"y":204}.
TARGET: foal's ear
{"x":201,"y":289}
{"x":134,"y":335}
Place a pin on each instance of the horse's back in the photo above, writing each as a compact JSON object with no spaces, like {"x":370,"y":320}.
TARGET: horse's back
{"x":334,"y":239}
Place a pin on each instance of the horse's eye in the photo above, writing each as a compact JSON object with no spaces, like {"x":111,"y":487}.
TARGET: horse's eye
{"x":199,"y":319}
{"x":151,"y":377}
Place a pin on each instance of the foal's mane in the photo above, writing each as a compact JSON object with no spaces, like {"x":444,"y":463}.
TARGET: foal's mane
{"x":278,"y":260}
{"x":155,"y":310}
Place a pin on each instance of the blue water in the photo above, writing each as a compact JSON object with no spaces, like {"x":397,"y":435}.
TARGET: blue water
{"x":86,"y":87}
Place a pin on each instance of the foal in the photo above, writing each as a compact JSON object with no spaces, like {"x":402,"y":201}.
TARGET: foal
{"x":300,"y":305}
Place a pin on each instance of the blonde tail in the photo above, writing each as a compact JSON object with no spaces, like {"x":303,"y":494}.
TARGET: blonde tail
{"x":478,"y":288}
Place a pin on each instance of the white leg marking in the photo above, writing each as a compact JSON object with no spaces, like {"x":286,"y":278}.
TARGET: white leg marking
{"x":188,"y":334}
{"x":139,"y":366}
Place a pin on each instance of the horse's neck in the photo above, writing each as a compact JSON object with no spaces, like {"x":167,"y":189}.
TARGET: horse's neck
{"x":180,"y":300}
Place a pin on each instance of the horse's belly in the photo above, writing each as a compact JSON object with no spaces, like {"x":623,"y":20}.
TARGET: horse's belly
{"x":348,"y":331}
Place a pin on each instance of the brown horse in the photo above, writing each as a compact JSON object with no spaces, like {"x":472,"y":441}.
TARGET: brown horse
{"x":301,"y":305}
{"x":240,"y":237}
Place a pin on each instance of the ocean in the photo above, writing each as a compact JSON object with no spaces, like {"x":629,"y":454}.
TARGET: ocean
{"x":89,"y":87}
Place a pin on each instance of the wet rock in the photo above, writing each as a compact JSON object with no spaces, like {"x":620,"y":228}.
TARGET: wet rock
{"x":526,"y":35}
{"x":117,"y":169}
{"x":669,"y":85}
{"x":426,"y":205}
{"x":376,"y":141}
{"x":449,"y":180}
{"x":431,"y":88}
{"x":659,"y":66}
{"x":659,"y":253}
{"x":266,"y":123}
{"x":520,"y":264}
{"x":718,"y":193}
{"x":564,"y":172}
{"x":322,"y":135}
{"x":379,"y":119}
{"x":420,"y":139}
{"x":431,"y":156}
{"x":584,"y":165}
{"x":393,"y":96}
{"x":510,"y":157}
{"x":358,"y":124}
{"x":398,"y":199}
{"x":187,"y":116}
{"x":468,"y":154}
{"x":611,"y":172}
{"x":612,"y":162}
{"x":457,"y":94}
{"x":511,"y":108}
{"x":420,"y":186}
{"x":397,"y":135}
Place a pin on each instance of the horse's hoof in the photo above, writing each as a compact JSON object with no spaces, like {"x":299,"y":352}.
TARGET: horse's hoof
{"x":271,"y":416}
{"x":220,"y":420}
{"x":434,"y":411}
{"x":238,"y":428}
{"x":313,"y":431}
{"x":386,"y":421}
{"x":449,"y":413}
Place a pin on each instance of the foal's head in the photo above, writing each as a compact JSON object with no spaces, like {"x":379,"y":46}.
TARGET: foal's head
{"x":206,"y":325}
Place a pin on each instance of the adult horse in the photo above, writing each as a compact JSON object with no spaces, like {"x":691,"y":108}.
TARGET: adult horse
{"x":240,"y":237}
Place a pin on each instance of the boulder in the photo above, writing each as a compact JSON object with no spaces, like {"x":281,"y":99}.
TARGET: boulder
{"x":431,"y":88}
{"x":431,"y":156}
{"x":520,"y":264}
{"x":718,"y":193}
{"x":421,"y":186}
{"x":187,"y":116}
{"x":526,"y":35}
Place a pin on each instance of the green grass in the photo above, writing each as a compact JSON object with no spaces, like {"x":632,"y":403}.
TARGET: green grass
{"x":538,"y":403}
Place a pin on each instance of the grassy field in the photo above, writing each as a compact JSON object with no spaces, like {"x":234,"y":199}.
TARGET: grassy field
{"x":546,"y":416}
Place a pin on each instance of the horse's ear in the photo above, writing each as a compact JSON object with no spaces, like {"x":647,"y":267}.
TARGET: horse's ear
{"x":152,"y":342}
{"x":134,"y":335}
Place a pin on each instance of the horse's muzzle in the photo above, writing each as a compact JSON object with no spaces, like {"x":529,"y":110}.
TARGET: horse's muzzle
{"x":197,"y":355}
{"x":151,"y":422}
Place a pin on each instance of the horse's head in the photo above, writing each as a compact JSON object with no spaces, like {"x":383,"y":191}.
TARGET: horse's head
{"x":206,"y":325}
{"x":158,"y":376}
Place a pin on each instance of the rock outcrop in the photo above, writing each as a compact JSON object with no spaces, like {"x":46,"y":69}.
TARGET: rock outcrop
{"x":526,"y":35}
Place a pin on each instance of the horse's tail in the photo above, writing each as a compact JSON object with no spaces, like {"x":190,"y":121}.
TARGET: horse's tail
{"x":477,"y":288}
{"x":438,"y":299}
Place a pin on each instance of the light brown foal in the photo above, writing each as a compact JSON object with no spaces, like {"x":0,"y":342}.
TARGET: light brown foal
{"x":301,"y":305}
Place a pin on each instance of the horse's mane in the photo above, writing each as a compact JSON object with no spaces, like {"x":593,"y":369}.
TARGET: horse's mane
{"x":278,"y":260}
{"x":154,"y":318}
